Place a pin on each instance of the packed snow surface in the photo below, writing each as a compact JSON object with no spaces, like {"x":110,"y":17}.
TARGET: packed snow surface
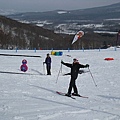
{"x":31,"y":95}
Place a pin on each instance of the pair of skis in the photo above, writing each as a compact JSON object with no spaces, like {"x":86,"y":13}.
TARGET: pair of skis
{"x":64,"y":94}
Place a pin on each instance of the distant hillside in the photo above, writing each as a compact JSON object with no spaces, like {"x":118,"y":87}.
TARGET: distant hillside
{"x":97,"y":13}
{"x":25,"y":36}
{"x":105,"y":18}
{"x":14,"y":34}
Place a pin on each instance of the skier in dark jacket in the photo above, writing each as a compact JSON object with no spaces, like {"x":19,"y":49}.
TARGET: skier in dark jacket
{"x":48,"y":64}
{"x":75,"y":66}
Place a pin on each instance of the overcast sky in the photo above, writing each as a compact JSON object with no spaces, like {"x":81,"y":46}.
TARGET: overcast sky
{"x":48,"y":5}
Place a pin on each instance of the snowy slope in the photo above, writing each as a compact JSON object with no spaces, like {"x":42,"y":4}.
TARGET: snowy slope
{"x":32,"y":96}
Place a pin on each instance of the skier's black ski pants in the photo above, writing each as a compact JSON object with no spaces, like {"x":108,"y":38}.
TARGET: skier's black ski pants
{"x":72,"y":85}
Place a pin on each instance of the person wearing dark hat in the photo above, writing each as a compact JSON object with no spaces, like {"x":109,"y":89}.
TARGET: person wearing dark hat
{"x":75,"y":66}
{"x":48,"y":64}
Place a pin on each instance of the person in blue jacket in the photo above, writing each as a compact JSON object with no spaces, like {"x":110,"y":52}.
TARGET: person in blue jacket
{"x":75,"y":66}
{"x":48,"y":64}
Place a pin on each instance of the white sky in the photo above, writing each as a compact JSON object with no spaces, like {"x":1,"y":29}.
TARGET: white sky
{"x":48,"y":5}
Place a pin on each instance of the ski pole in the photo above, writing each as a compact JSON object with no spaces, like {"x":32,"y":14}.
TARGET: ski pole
{"x":92,"y":77}
{"x":61,"y":68}
{"x":59,"y":72}
{"x":43,"y":68}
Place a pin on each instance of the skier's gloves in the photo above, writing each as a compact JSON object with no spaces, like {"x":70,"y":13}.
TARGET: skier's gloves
{"x":62,"y":62}
{"x":87,"y":65}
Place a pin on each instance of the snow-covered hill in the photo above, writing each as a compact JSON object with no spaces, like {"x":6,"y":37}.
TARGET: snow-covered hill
{"x":104,"y":18}
{"x":7,"y":12}
{"x":32,"y":96}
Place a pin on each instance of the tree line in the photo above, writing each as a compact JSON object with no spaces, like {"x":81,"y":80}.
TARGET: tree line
{"x":14,"y":34}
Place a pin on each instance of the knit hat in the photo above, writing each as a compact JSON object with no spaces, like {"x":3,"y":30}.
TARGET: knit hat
{"x":75,"y":59}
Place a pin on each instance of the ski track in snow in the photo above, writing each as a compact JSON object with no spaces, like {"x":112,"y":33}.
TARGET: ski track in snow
{"x":33,"y":96}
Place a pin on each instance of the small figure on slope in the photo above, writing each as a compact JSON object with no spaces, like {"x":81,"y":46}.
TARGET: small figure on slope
{"x":48,"y":64}
{"x":24,"y":66}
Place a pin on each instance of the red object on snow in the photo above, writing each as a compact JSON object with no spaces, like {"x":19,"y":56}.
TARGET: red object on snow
{"x":23,"y":68}
{"x":24,"y":61}
{"x":109,"y":59}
